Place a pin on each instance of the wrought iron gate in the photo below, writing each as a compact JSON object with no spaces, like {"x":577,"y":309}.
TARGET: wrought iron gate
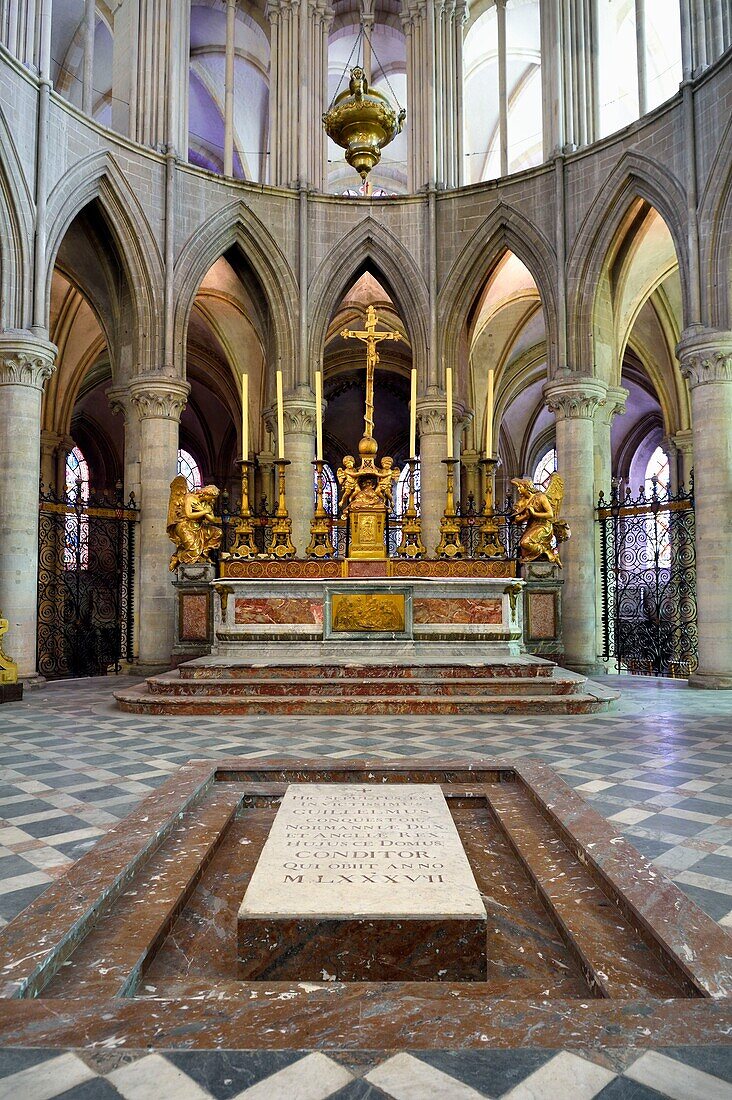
{"x":85,"y":583}
{"x":648,"y":567}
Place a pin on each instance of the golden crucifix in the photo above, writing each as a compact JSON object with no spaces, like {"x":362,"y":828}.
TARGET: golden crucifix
{"x":371,"y":338}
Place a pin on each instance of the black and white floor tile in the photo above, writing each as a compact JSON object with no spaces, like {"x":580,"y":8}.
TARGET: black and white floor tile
{"x":681,"y":1073}
{"x":659,"y":766}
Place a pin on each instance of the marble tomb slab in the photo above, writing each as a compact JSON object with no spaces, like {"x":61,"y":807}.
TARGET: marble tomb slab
{"x":589,"y":946}
{"x":362,"y":883}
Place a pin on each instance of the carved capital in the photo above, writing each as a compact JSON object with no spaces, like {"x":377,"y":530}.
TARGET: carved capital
{"x":25,"y":360}
{"x":705,"y":355}
{"x":120,"y":401}
{"x":299,"y":417}
{"x":683,"y":441}
{"x":158,"y":398}
{"x":614,"y":404}
{"x":432,"y":416}
{"x":576,"y":399}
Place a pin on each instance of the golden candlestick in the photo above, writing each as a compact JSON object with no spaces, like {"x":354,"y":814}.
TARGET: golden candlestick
{"x":244,"y":544}
{"x":489,"y":544}
{"x":450,"y":545}
{"x":281,"y":545}
{"x":321,"y":544}
{"x":411,"y":545}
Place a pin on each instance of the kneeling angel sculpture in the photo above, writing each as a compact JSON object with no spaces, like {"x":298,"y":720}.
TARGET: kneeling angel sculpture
{"x":192,"y":525}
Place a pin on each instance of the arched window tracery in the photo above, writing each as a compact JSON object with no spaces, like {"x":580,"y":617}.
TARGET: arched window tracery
{"x":190,"y":469}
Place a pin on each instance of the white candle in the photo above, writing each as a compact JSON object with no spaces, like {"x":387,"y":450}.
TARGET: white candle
{"x":280,"y":418}
{"x":489,"y":417}
{"x":413,"y":415}
{"x":448,"y":386}
{"x":318,"y":415}
{"x":245,"y":416}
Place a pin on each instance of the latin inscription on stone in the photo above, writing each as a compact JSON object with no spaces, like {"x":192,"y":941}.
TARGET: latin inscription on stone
{"x":363,"y":882}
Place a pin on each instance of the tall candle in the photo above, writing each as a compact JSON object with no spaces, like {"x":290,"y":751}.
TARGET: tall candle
{"x":245,"y":416}
{"x":448,"y":386}
{"x":413,"y":415}
{"x":489,"y":417}
{"x":280,"y":418}
{"x":318,"y":415}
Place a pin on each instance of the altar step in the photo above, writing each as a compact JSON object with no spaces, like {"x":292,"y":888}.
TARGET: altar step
{"x":491,"y":688}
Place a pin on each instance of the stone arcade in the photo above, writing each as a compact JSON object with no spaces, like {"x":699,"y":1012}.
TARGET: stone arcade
{"x":355,"y":388}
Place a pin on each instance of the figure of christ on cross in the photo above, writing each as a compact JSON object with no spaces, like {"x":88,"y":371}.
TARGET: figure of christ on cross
{"x":371,"y":338}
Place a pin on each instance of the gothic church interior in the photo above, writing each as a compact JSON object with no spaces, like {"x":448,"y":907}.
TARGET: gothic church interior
{"x":549,"y":236}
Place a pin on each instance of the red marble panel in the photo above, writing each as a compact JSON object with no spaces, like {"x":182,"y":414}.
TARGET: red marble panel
{"x":542,"y":615}
{"x":427,"y":610}
{"x":279,"y":611}
{"x":194,"y":617}
{"x":368,"y":569}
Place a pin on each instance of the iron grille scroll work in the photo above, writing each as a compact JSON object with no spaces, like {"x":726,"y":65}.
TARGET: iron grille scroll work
{"x":648,"y":571}
{"x":85,"y":583}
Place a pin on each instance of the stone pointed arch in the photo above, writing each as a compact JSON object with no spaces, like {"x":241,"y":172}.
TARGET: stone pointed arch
{"x":505,"y":229}
{"x":635,"y":177}
{"x":715,"y":234}
{"x":370,"y":243}
{"x":16,"y":235}
{"x":99,"y":177}
{"x":237,"y":224}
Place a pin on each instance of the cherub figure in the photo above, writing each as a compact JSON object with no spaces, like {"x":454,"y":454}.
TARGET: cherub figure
{"x":192,"y":525}
{"x":539,"y":510}
{"x":347,"y":481}
{"x":388,"y":477}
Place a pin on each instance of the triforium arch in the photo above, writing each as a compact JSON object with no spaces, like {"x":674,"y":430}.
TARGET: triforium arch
{"x":98,"y":182}
{"x":505,"y":230}
{"x":370,"y":248}
{"x":16,"y":234}
{"x":236,"y":225}
{"x":636,"y":177}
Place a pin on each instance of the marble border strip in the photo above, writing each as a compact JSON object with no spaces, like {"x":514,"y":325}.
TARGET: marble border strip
{"x":358,"y":1015}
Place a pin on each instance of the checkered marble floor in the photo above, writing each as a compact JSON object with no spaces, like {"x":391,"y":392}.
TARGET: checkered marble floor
{"x":659,"y":766}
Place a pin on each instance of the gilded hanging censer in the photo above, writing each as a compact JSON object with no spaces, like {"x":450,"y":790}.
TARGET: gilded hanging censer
{"x":362,"y":121}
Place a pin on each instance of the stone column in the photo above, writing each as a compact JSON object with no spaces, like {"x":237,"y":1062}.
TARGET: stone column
{"x":434,"y":36}
{"x":431,"y":423}
{"x":25,"y":364}
{"x":683,"y":444}
{"x":120,"y":401}
{"x":574,"y":403}
{"x":470,"y":463}
{"x":299,"y":424}
{"x":150,"y":72}
{"x":158,"y":403}
{"x":265,"y":486}
{"x":49,"y":446}
{"x":705,"y":355}
{"x":615,"y":404}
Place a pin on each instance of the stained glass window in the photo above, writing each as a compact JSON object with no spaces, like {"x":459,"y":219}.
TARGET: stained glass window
{"x":76,"y":529}
{"x":658,"y":534}
{"x":401,"y":494}
{"x":330,"y":489}
{"x":190,"y":469}
{"x":545,"y":467}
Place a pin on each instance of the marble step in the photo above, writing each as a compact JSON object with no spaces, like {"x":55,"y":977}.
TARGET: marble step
{"x":139,"y":700}
{"x":566,"y":683}
{"x":206,"y":669}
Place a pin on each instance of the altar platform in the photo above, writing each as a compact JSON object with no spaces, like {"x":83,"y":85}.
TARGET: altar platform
{"x":384,"y":645}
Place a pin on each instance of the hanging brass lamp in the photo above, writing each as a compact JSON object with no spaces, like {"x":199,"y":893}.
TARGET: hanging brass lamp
{"x":362,"y":121}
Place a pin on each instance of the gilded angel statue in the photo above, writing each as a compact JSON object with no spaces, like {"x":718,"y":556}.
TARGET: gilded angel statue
{"x":192,"y":525}
{"x":347,"y":480}
{"x":388,"y":477}
{"x":539,"y":509}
